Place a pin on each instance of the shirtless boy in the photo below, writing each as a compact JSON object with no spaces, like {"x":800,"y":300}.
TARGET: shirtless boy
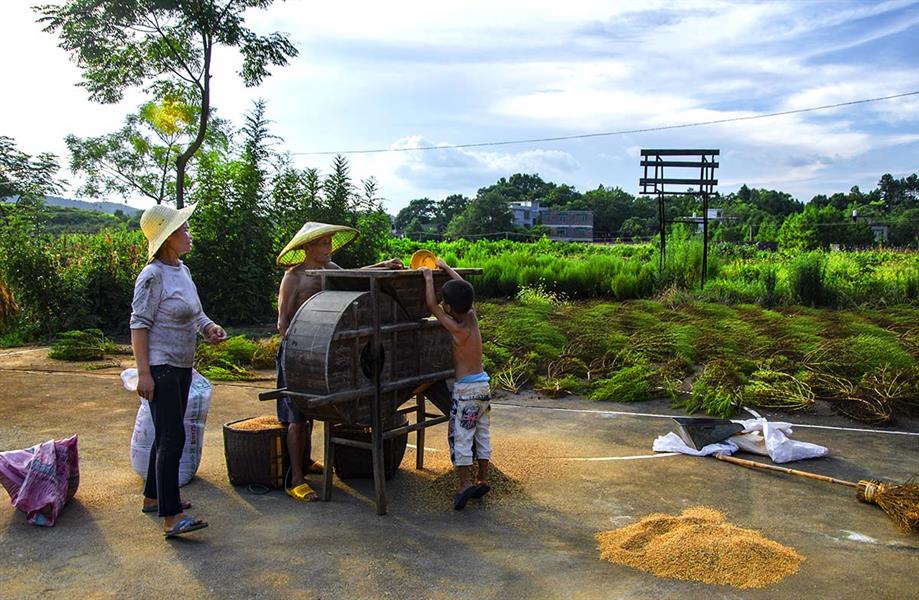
{"x":468,"y":430}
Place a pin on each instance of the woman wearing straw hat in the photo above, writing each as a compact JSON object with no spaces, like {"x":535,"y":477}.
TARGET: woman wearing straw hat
{"x":166,"y":314}
{"x":311,"y":248}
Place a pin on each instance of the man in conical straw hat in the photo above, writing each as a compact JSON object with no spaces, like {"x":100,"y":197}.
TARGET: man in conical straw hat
{"x":311,"y":248}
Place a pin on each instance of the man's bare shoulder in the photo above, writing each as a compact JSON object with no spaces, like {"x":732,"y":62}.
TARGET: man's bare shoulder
{"x":296,"y":279}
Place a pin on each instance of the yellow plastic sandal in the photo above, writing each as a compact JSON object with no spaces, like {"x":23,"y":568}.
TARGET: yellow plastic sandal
{"x":303,"y":493}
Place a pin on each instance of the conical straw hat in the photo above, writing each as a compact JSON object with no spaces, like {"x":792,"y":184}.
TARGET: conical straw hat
{"x":159,"y":222}
{"x":293,"y":253}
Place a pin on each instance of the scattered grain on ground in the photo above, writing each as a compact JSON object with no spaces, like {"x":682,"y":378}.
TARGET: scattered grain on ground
{"x":109,"y":489}
{"x":517,"y":464}
{"x":699,"y":545}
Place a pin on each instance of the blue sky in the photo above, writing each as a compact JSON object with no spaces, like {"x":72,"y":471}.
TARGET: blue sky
{"x":410,"y":74}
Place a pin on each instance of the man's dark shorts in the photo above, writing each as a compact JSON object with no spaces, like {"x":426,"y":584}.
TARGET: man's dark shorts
{"x":287,"y":412}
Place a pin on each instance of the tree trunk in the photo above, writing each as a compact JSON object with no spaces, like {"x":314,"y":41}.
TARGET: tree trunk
{"x":182,"y":160}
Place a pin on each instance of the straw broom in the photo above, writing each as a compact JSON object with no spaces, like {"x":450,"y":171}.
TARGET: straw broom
{"x":900,"y":502}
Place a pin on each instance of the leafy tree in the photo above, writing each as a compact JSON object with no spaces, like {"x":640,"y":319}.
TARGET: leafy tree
{"x":611,"y":208}
{"x":165,"y":44}
{"x":897,"y":193}
{"x":298,"y":196}
{"x":367,"y":216}
{"x":337,"y":188}
{"x":838,"y":201}
{"x":232,"y":230}
{"x":725,"y":232}
{"x":561,"y":195}
{"x":449,"y":207}
{"x":140,"y":158}
{"x":488,"y":213}
{"x":904,"y":230}
{"x":519,"y":187}
{"x":24,"y":175}
{"x":775,"y":203}
{"x":635,"y":227}
{"x":414,"y":217}
{"x":26,"y":270}
{"x":768,"y":231}
{"x":295,"y":199}
{"x":817,"y":227}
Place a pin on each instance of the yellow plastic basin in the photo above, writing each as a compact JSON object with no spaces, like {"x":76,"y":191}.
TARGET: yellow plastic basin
{"x":423,"y":258}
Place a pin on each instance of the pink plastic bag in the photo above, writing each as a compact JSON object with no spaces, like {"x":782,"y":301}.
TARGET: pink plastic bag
{"x":42,"y":479}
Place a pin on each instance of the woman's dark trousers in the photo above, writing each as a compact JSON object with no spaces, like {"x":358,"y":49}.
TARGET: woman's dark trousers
{"x":170,"y":398}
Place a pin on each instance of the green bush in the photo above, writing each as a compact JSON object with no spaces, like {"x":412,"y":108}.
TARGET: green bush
{"x":807,"y":281}
{"x":90,"y":344}
{"x":523,"y":329}
{"x":629,"y":384}
{"x":718,"y":391}
{"x":226,"y":373}
{"x":539,"y":297}
{"x":858,"y":355}
{"x":82,"y":281}
{"x":560,"y":386}
{"x":233,"y":354}
{"x":266,"y":352}
{"x":12,"y":339}
{"x":776,"y":389}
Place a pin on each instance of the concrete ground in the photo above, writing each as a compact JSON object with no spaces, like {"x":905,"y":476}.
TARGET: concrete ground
{"x":532,"y":538}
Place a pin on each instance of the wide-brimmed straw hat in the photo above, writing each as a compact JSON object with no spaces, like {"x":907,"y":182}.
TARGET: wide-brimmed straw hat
{"x":294,"y":254}
{"x":159,"y":222}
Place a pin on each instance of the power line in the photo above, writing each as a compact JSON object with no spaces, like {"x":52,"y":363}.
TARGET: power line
{"x":610,"y":133}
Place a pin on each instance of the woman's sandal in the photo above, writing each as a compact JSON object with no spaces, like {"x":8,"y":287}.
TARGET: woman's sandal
{"x":186,"y":525}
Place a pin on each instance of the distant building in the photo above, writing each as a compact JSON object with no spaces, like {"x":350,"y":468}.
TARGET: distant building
{"x":880,"y":230}
{"x":569,"y":225}
{"x":525,"y":213}
{"x":562,"y":225}
{"x":715,"y":215}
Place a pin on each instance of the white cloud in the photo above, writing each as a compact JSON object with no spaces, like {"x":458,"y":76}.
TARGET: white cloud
{"x":481,"y":70}
{"x":453,"y":170}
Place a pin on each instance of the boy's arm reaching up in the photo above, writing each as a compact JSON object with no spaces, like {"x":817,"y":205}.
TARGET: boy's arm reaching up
{"x":431,"y":300}
{"x":453,"y":274}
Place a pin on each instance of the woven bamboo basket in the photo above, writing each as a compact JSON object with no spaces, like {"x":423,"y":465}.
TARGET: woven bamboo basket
{"x":255,"y":457}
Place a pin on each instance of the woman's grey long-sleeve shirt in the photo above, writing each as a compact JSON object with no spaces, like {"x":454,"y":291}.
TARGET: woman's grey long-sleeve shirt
{"x":166,"y":304}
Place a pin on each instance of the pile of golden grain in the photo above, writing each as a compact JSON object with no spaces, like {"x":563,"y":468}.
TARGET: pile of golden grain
{"x":699,"y":545}
{"x":258,"y":424}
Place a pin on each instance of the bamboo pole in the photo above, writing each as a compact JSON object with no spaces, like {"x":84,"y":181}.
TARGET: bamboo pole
{"x":755,"y":465}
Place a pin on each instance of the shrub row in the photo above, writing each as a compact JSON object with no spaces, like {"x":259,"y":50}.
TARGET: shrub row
{"x":82,"y":281}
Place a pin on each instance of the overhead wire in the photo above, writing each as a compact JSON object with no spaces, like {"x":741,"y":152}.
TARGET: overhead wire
{"x":610,"y":133}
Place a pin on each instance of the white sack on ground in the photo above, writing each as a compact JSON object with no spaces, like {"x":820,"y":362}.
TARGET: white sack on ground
{"x":771,"y":439}
{"x":674,"y":443}
{"x":759,"y":437}
{"x":199,"y":401}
